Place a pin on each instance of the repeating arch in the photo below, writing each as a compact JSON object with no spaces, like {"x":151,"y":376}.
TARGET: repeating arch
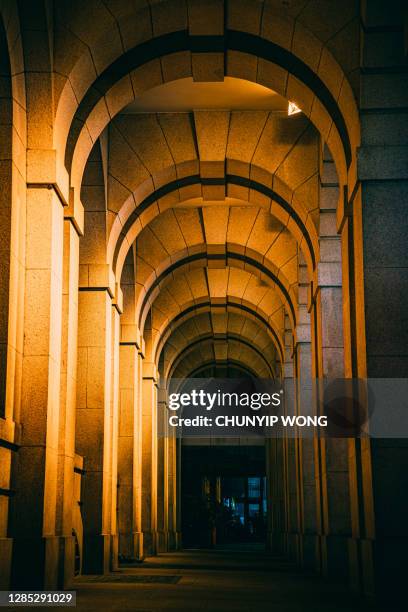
{"x":208,"y":337}
{"x":238,"y":366}
{"x":192,"y":310}
{"x":334,"y":97}
{"x":248,"y":357}
{"x":221,"y":326}
{"x":292,"y":213}
{"x":234,"y":257}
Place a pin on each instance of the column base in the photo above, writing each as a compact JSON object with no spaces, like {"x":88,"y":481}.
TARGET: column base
{"x":383,"y":568}
{"x":310,"y":552}
{"x":335,"y":557}
{"x":6,"y":548}
{"x":171,"y":540}
{"x":162,"y":541}
{"x":138,"y":545}
{"x":114,"y":553}
{"x":292,"y":547}
{"x":149,"y":543}
{"x":131,"y":546}
{"x":66,"y":562}
{"x":275,"y":543}
{"x":96,"y":554}
{"x":35,"y":563}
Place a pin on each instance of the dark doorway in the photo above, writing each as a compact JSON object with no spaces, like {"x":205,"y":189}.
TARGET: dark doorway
{"x":223,"y":495}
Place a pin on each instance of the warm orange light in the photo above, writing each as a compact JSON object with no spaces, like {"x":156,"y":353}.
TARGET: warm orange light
{"x":293,"y":109}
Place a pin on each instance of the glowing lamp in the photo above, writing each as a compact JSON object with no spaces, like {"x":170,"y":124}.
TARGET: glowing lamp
{"x":293,"y":109}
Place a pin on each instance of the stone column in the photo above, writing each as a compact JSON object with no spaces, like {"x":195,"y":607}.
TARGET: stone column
{"x":129,"y":441}
{"x":380,"y":225}
{"x":97,"y":372}
{"x":130,"y":535}
{"x":162,"y":473}
{"x":275,"y":495}
{"x":172,"y":488}
{"x":33,"y":509}
{"x":177,"y":503}
{"x":94,"y":423}
{"x":66,"y":446}
{"x":149,"y":458}
{"x":331,"y":455}
{"x":12,"y":278}
{"x":116,"y":312}
{"x":309,"y":558}
{"x":290,"y":453}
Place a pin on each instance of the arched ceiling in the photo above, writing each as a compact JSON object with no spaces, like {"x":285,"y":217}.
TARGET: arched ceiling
{"x":202,"y":175}
{"x":161,"y":160}
{"x":207,"y":285}
{"x":221,"y":353}
{"x":186,"y":95}
{"x":222,"y":326}
{"x":213,"y":236}
{"x":155,"y":42}
{"x":224,"y":308}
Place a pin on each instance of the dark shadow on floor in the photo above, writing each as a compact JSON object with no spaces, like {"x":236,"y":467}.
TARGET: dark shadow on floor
{"x":246,"y":578}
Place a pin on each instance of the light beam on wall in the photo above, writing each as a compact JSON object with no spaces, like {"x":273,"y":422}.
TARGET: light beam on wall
{"x":293,"y":109}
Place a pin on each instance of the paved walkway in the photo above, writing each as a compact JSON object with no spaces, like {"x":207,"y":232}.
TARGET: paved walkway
{"x":217,"y":580}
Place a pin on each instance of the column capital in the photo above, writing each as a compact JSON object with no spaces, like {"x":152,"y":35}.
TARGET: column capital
{"x":162,"y":395}
{"x":117,"y":301}
{"x":75,"y":211}
{"x":130,"y":334}
{"x":97,"y":277}
{"x":302,"y":334}
{"x":142,"y":350}
{"x":149,"y":371}
{"x":44,"y":170}
{"x":329,"y":274}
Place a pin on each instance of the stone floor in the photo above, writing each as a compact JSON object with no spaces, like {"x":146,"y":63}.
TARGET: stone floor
{"x":219,"y":580}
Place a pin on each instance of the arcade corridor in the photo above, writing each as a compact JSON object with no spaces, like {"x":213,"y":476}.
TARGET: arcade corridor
{"x":195,"y":188}
{"x":240,"y":579}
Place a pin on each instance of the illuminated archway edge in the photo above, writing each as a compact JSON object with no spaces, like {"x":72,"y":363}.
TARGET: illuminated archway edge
{"x":229,"y":257}
{"x":243,"y":309}
{"x":210,"y":338}
{"x":305,"y":236}
{"x":191,"y":309}
{"x":243,"y":367}
{"x":189,"y":349}
{"x":88,"y":122}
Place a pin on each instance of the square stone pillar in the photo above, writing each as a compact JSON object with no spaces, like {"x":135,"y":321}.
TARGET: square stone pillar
{"x":307,"y":474}
{"x":149,"y":458}
{"x":275,"y":541}
{"x":66,"y":445}
{"x":380,"y":225}
{"x":94,"y":424}
{"x":177,"y":504}
{"x":116,"y":312}
{"x":162,"y":473}
{"x":331,"y":455}
{"x":129,"y":445}
{"x":290,"y":458}
{"x":33,"y":507}
{"x":172,"y":489}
